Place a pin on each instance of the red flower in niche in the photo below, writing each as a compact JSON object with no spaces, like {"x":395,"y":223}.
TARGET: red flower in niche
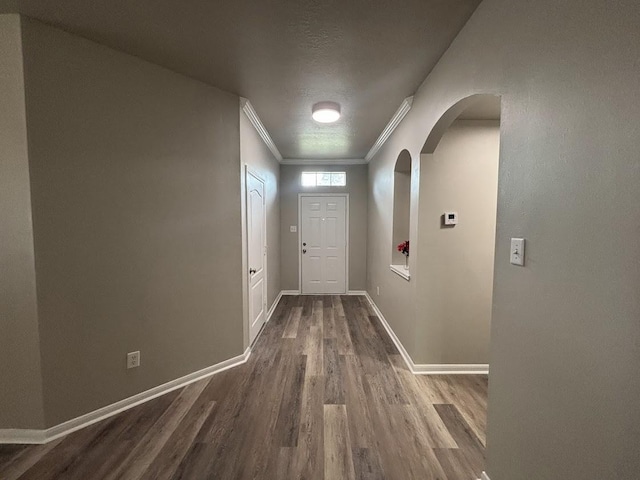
{"x":404,"y":248}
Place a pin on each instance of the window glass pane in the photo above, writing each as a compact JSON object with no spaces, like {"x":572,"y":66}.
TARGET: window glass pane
{"x":324,"y":179}
{"x":338,"y":179}
{"x":309,"y":179}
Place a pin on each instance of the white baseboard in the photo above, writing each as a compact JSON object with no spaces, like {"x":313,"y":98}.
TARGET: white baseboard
{"x":23,"y":436}
{"x":273,"y":306}
{"x":451,"y":369}
{"x":484,"y":476}
{"x":44,"y":436}
{"x":403,"y":352}
{"x":426,"y":369}
{"x":297,"y":292}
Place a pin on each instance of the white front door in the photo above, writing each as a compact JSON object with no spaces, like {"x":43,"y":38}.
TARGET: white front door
{"x":323,"y":244}
{"x":256,"y":254}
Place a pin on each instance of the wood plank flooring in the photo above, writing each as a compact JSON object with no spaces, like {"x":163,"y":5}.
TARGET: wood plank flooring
{"x":324,"y":395}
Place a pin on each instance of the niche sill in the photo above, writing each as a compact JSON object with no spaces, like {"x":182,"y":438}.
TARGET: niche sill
{"x":400,"y":270}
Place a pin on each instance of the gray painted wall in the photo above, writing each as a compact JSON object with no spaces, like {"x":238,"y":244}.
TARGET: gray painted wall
{"x":20,"y":375}
{"x":255,"y":154}
{"x":136,"y":206}
{"x":455,"y":272}
{"x":356,"y":187}
{"x":565,"y":348}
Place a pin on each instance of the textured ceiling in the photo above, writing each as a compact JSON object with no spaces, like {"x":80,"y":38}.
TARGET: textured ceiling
{"x":282,"y":55}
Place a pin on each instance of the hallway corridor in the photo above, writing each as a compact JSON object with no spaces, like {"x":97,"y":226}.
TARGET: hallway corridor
{"x":324,"y":395}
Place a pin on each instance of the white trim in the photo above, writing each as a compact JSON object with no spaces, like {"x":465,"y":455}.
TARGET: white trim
{"x":253,"y":117}
{"x":33,"y":436}
{"x":22,"y":436}
{"x":358,"y":293}
{"x":484,"y":476}
{"x":400,"y":270}
{"x":273,"y":306}
{"x":346,"y":237}
{"x":403,"y":352}
{"x":327,"y":161}
{"x":426,"y":369}
{"x":451,"y":369}
{"x":405,"y":106}
{"x":44,"y":436}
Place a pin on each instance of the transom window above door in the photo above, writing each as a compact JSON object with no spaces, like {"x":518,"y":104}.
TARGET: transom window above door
{"x":323,"y":179}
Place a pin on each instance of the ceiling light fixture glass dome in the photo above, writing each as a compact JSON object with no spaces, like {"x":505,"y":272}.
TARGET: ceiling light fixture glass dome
{"x":326,"y":112}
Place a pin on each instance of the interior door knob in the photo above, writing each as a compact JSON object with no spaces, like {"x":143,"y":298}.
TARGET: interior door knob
{"x":252,"y":271}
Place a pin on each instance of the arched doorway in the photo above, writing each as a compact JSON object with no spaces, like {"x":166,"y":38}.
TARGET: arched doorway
{"x":457,"y":225}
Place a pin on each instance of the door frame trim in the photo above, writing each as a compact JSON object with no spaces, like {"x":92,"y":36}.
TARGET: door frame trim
{"x":346,"y":234}
{"x":245,"y":273}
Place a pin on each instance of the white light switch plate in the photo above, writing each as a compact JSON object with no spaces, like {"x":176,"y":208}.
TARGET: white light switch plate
{"x":293,"y":228}
{"x":517,"y":251}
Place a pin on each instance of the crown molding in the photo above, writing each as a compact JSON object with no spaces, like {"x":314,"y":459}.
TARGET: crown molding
{"x":253,"y":117}
{"x":405,"y":106}
{"x":327,"y":161}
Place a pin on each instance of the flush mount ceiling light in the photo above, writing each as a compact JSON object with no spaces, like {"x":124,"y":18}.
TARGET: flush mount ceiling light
{"x":326,"y":112}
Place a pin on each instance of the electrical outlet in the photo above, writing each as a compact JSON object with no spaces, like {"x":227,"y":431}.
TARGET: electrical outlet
{"x":378,"y":291}
{"x":133,"y":359}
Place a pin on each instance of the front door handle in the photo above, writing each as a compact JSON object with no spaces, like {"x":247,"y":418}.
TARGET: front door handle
{"x":304,"y":251}
{"x":252,"y":271}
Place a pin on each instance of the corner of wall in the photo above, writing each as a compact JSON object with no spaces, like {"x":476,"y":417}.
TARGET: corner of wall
{"x":20,"y":356}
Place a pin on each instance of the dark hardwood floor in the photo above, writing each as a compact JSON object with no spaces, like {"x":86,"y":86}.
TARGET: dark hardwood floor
{"x":324,"y":395}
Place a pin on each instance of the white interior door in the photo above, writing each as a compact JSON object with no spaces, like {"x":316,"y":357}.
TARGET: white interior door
{"x":323,"y":244}
{"x":256,"y":254}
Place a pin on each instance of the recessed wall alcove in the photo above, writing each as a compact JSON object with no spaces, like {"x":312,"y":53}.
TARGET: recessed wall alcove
{"x":401,"y":212}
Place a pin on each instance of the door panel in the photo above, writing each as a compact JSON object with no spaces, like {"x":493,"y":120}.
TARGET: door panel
{"x":323,"y":244}
{"x":256,"y":255}
{"x":257,"y":298}
{"x":331,"y":233}
{"x":315,"y":232}
{"x":333,"y":271}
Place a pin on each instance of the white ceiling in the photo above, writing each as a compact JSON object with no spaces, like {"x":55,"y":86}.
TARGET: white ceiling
{"x":283,"y":56}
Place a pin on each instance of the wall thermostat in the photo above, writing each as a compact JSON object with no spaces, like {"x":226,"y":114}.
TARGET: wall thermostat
{"x":450,"y":218}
